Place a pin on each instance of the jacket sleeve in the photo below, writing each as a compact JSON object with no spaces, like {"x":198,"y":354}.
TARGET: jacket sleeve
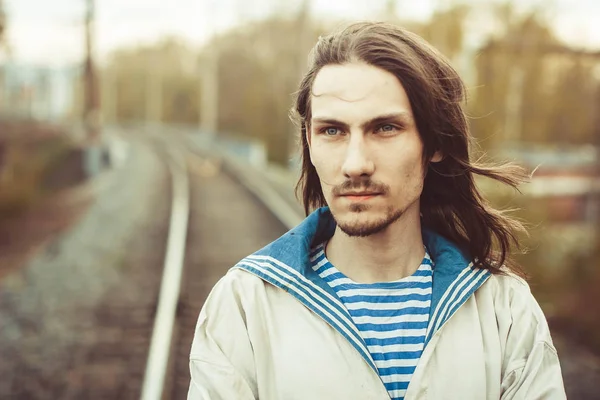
{"x":531,"y":369}
{"x":221,"y":358}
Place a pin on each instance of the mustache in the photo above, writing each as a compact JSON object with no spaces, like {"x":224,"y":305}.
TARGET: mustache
{"x":363,"y":184}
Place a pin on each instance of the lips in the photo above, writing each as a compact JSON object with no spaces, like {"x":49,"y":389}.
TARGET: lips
{"x":360,"y":196}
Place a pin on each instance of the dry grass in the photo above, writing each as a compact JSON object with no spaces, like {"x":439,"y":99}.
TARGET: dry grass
{"x":36,"y":162}
{"x":28,"y":154}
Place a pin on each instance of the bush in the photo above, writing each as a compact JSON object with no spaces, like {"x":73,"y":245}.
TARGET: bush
{"x":28,"y":153}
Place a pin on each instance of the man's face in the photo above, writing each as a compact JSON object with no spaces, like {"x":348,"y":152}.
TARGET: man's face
{"x":365,"y":147}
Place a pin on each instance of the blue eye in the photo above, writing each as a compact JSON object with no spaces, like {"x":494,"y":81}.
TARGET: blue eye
{"x":331,"y":131}
{"x":387,"y":128}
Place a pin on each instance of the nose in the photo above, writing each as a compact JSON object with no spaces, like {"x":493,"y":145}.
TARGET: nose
{"x":358,"y":161}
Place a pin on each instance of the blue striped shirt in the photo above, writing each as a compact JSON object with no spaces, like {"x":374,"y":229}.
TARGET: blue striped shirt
{"x":391,"y":317}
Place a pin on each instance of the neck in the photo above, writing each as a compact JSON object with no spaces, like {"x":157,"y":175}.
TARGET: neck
{"x":389,"y":255}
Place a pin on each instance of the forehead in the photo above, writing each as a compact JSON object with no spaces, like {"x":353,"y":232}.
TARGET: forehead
{"x":356,"y":91}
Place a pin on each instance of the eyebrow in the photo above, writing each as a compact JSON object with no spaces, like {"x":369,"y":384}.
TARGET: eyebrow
{"x":398,"y":117}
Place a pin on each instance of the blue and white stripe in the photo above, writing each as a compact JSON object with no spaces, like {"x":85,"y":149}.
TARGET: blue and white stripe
{"x":469,"y":280}
{"x":392,"y":318}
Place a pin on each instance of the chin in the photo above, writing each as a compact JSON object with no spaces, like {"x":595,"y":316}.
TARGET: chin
{"x":360,"y":221}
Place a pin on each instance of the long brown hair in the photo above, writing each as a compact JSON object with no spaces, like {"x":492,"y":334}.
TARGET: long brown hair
{"x":451,"y":204}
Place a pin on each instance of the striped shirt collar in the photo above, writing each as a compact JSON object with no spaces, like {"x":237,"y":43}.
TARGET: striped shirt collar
{"x":285,"y":263}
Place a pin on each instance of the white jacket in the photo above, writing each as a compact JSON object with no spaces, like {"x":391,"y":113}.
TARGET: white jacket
{"x":271,"y":329}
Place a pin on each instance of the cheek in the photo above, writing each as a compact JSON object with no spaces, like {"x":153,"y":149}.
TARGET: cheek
{"x":404,"y":174}
{"x":323,"y":162}
{"x":414,"y":172}
{"x":416,"y":178}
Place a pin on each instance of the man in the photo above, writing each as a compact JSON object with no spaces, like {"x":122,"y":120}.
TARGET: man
{"x":398,"y":285}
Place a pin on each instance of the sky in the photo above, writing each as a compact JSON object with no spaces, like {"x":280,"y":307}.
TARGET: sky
{"x":51,"y":32}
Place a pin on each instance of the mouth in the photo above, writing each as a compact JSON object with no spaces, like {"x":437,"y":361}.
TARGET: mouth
{"x":360,"y":196}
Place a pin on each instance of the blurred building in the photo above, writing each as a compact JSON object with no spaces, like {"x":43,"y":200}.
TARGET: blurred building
{"x":566,"y":181}
{"x":37,"y":92}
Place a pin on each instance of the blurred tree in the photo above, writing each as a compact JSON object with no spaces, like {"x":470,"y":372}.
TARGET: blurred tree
{"x":135,"y":73}
{"x":261,"y":65}
{"x":531,"y":88}
{"x":573,"y":107}
{"x":446,"y":29}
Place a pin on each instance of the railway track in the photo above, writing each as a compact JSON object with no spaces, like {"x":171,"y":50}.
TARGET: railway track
{"x":225,"y":220}
{"x":109,"y":311}
{"x":77,"y":325}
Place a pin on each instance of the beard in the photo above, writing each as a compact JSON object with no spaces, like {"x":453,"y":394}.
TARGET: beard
{"x":359,"y":228}
{"x":368,"y":228}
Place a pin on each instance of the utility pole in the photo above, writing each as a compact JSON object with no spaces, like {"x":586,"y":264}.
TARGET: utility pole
{"x":91,"y":108}
{"x":439,"y":29}
{"x":209,"y":81}
{"x":389,"y":11}
{"x":209,"y":92}
{"x":596,"y":177}
{"x":109,"y":96}
{"x":154,"y":87}
{"x":91,"y":115}
{"x":513,"y":118}
{"x":304,"y":21}
{"x":3,"y":48}
{"x":2,"y":25}
{"x":304,"y":25}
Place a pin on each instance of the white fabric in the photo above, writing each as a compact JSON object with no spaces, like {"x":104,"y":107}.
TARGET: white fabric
{"x":255,"y":341}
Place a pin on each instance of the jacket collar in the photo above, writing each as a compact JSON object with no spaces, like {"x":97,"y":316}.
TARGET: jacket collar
{"x":285,"y":263}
